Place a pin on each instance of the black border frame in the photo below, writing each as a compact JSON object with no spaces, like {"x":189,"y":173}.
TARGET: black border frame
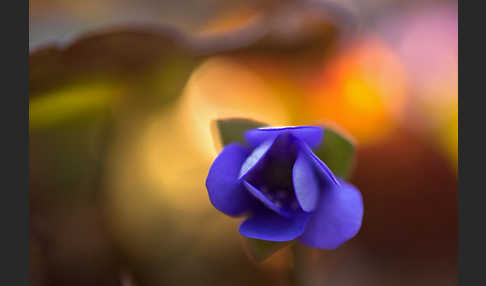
{"x":471,"y":189}
{"x":14,"y":209}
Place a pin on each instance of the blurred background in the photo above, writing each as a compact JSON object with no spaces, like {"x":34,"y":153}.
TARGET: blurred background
{"x":122,"y":96}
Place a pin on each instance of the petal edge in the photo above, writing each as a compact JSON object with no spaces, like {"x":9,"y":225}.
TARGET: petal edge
{"x":311,"y":135}
{"x":225,"y":191}
{"x":337,"y":219}
{"x":306,"y":183}
{"x":267,"y":225}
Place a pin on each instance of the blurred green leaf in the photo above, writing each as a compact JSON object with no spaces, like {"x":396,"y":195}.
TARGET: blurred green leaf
{"x":337,"y":152}
{"x":79,"y":91}
{"x":233,"y":129}
{"x":262,"y":249}
{"x":73,"y":103}
{"x":69,"y":128}
{"x":66,"y":156}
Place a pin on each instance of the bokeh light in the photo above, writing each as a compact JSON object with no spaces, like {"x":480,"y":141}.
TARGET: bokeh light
{"x":361,"y":89}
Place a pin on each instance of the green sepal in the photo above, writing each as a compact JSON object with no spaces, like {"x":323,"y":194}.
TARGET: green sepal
{"x":259,"y":250}
{"x":232,"y":130}
{"x":337,"y":151}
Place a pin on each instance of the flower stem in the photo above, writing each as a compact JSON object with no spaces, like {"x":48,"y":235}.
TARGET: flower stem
{"x":299,"y":267}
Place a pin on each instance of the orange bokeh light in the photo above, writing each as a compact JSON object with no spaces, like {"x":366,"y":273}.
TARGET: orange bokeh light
{"x":362,"y":89}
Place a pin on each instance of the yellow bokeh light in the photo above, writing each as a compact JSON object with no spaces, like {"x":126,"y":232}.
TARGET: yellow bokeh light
{"x":222,"y":88}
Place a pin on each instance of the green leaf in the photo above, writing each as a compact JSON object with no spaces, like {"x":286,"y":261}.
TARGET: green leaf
{"x":262,"y":249}
{"x":337,"y":152}
{"x":233,"y":129}
{"x":68,"y":104}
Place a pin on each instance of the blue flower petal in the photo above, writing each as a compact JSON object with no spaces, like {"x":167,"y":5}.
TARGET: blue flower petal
{"x":283,"y":148}
{"x":267,"y":225}
{"x":337,"y":218}
{"x":323,"y":171}
{"x":305,"y":181}
{"x":225,"y":191}
{"x":255,"y":157}
{"x":261,"y":197}
{"x":312,"y":135}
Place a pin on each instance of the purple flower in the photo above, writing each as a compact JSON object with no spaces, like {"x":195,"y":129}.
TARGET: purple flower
{"x":285,"y":189}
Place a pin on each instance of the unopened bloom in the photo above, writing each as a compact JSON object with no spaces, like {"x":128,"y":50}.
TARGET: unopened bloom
{"x":285,"y":190}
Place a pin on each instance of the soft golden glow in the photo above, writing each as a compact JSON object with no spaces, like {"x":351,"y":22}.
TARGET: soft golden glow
{"x":222,"y":88}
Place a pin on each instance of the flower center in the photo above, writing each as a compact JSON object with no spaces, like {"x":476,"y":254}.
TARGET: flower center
{"x":273,"y":175}
{"x":283,"y":198}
